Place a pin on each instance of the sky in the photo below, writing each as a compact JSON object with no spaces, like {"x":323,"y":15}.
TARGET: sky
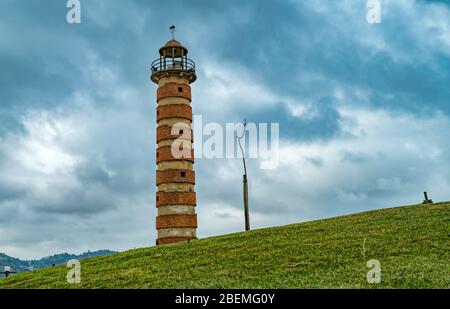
{"x":364,"y":113}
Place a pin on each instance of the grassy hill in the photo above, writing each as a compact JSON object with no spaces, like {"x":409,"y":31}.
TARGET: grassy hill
{"x":412,"y":243}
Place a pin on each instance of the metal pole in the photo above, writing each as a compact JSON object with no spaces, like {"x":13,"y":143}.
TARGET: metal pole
{"x":247,"y":217}
{"x":173,"y":57}
{"x":164,"y":55}
{"x":245,"y":182}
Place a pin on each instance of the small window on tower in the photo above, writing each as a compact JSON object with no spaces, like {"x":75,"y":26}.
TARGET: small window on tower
{"x":157,"y":154}
{"x":183,"y":174}
{"x":180,"y":89}
{"x":181,"y":132}
{"x":157,"y":198}
{"x":157,"y":113}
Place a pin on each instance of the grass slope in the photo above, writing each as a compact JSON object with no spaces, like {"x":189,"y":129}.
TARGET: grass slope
{"x":412,"y":244}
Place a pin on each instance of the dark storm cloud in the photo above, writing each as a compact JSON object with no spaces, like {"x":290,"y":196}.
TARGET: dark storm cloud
{"x":92,"y":173}
{"x":300,"y":42}
{"x":317,"y":162}
{"x":323,"y":124}
{"x":355,"y":157}
{"x":10,"y":123}
{"x":10,"y":192}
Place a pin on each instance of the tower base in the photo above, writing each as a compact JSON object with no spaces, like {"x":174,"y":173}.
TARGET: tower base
{"x":171,"y":240}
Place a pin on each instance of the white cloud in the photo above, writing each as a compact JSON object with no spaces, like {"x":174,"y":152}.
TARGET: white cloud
{"x":40,"y":150}
{"x":226,"y":87}
{"x":400,"y":152}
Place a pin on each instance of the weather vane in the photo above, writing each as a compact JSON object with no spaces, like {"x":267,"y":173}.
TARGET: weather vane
{"x":172,"y":30}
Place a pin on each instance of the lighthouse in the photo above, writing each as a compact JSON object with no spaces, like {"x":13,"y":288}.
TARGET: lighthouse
{"x":174,"y":72}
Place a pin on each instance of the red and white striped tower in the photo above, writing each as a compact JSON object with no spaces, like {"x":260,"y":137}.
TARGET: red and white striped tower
{"x":173,"y":72}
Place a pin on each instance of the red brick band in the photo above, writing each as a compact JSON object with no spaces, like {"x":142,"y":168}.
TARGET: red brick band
{"x":174,"y":90}
{"x":165,"y":132}
{"x":175,"y":176}
{"x":165,"y":154}
{"x":175,"y":198}
{"x":176,"y":221}
{"x":170,"y":240}
{"x":174,"y":111}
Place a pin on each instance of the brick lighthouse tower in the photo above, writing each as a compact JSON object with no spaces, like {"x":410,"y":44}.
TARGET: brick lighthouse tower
{"x":173,"y":72}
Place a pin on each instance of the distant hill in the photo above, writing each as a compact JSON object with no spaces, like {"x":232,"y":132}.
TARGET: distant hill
{"x":411,"y":243}
{"x":19,"y":265}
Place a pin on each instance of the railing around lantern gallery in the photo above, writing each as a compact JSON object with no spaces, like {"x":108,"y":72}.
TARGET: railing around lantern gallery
{"x":173,"y":64}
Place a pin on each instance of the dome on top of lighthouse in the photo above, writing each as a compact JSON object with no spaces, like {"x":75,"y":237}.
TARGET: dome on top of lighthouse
{"x":173,"y":43}
{"x":173,"y":48}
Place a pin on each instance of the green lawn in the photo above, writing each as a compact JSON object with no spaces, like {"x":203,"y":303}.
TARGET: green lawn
{"x":412,"y":244}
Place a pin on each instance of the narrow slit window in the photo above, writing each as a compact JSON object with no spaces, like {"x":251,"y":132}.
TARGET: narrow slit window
{"x":183,"y":174}
{"x":180,"y":89}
